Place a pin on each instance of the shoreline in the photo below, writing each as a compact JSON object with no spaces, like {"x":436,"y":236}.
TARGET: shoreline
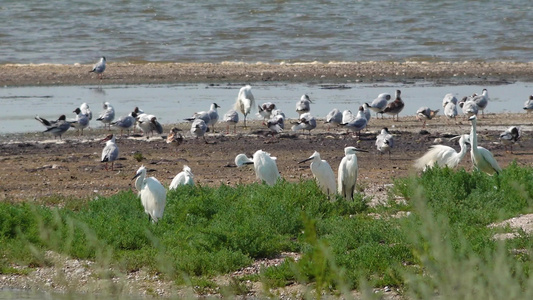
{"x":450,"y":73}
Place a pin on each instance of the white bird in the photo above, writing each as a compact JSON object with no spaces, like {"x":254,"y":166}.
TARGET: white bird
{"x":324,"y":176}
{"x":182,"y":178}
{"x":231,"y":117}
{"x":99,"y":67}
{"x":245,"y":101}
{"x":174,"y":137}
{"x":367,"y":111}
{"x":265,"y":166}
{"x":81,"y":122}
{"x":358,"y":123}
{"x":468,"y":106}
{"x":334,"y":117}
{"x":447,"y":98}
{"x":347,"y":116}
{"x":147,"y":123}
{"x":84,"y":107}
{"x":265,"y":110}
{"x":107,"y":115}
{"x":153,"y":194}
{"x":450,"y":106}
{"x":379,"y":104}
{"x":482,"y":101}
{"x":210,"y":117}
{"x":199,"y":128}
{"x":57,"y":127}
{"x":347,"y":173}
{"x":305,"y":122}
{"x":110,"y":151}
{"x":276,"y":124}
{"x":384,"y":141}
{"x":443,"y":156}
{"x":125,"y":123}
{"x":203,"y":115}
{"x":394,"y":108}
{"x":528,"y":106}
{"x":482,"y":158}
{"x":425,"y":113}
{"x":510,"y":136}
{"x":303,"y":105}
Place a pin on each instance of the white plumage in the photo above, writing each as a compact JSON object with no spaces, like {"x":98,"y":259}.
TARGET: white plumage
{"x":110,"y":151}
{"x":379,"y":104}
{"x":528,"y":105}
{"x":384,"y":141}
{"x":482,"y":158}
{"x":264,"y":165}
{"x":81,"y":122}
{"x":99,"y":67}
{"x":334,"y":118}
{"x":305,"y":122}
{"x":510,"y":136}
{"x":153,"y":194}
{"x":231,"y":117}
{"x":347,"y":173}
{"x":107,"y":115}
{"x":303,"y":105}
{"x":324,"y":176}
{"x":182,"y":178}
{"x":245,"y":101}
{"x":443,"y":155}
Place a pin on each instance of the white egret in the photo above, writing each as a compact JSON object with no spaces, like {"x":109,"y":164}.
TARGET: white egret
{"x":231,"y":117}
{"x":528,"y":105}
{"x":265,"y":110}
{"x":482,"y":101}
{"x":358,"y":123}
{"x":264,"y":165}
{"x":395,"y":107}
{"x":110,"y":151}
{"x":303,"y":105}
{"x":199,"y":128}
{"x":425,"y":113}
{"x":510,"y":136}
{"x":107,"y":115}
{"x":324,"y":176}
{"x":379,"y":104}
{"x":81,"y":122}
{"x":99,"y":67}
{"x":153,"y":194}
{"x":174,"y":137}
{"x":182,"y":178}
{"x":482,"y":158}
{"x":384,"y":141}
{"x":245,"y":101}
{"x":443,"y":156}
{"x":347,"y":173}
{"x":305,"y":122}
{"x":57,"y":127}
{"x":125,"y":123}
{"x":334,"y":117}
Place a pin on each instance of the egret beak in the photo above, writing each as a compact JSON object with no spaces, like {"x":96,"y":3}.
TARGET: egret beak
{"x":307,"y":159}
{"x":136,"y":175}
{"x":454,"y":138}
{"x":360,"y":150}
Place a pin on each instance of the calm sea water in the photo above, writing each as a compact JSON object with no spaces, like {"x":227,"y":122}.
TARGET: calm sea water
{"x":35,"y":31}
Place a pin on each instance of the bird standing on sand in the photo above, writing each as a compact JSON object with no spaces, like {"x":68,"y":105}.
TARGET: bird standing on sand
{"x":324,"y":176}
{"x":303,"y":105}
{"x":99,"y":68}
{"x":110,"y":151}
{"x":174,"y":137}
{"x":425,"y":113}
{"x":81,"y":122}
{"x":356,"y":124}
{"x":153,"y":194}
{"x":245,"y":101}
{"x":199,"y":128}
{"x":107,"y":115}
{"x":265,"y":110}
{"x":395,"y":107}
{"x":231,"y":117}
{"x":57,"y":127}
{"x":384,"y":141}
{"x":334,"y":118}
{"x":509,"y":137}
{"x":482,"y":101}
{"x":379,"y":104}
{"x":125,"y":123}
{"x":450,"y":107}
{"x":305,"y":122}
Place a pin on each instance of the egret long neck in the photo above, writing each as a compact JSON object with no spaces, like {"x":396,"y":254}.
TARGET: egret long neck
{"x":463,"y":148}
{"x":473,"y":136}
{"x":139,"y":182}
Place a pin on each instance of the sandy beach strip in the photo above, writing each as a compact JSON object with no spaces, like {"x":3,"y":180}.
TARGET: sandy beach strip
{"x":340,"y":72}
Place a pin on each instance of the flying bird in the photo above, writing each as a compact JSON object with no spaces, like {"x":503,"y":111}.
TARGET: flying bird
{"x":182,"y":178}
{"x":482,"y":158}
{"x":245,"y":101}
{"x":110,"y":151}
{"x":99,"y":67}
{"x":443,"y":156}
{"x":384,"y":141}
{"x":324,"y":176}
{"x":152,"y":193}
{"x":347,"y":173}
{"x":265,"y":166}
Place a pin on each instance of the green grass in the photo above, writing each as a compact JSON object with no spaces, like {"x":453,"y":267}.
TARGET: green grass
{"x":443,"y":247}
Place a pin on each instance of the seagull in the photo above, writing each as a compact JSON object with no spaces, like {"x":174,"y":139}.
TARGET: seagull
{"x":84,"y":107}
{"x":379,"y":104}
{"x":303,"y":105}
{"x":305,"y":122}
{"x":395,"y":107}
{"x":276,"y":124}
{"x":384,"y":141}
{"x":425,"y":113}
{"x":107,"y":115}
{"x":265,"y":166}
{"x":81,"y":122}
{"x":110,"y":152}
{"x":324,"y":176}
{"x":347,"y":116}
{"x":358,"y":123}
{"x":199,"y":128}
{"x":99,"y":67}
{"x":443,"y":156}
{"x":210,"y":117}
{"x":334,"y":117}
{"x":153,"y":194}
{"x":174,"y":137}
{"x":528,"y":106}
{"x":450,"y":106}
{"x":265,"y":110}
{"x":482,"y":158}
{"x":482,"y":101}
{"x":57,"y":127}
{"x":231,"y":117}
{"x":148,"y":123}
{"x":468,"y":106}
{"x":245,"y":101}
{"x":125,"y":123}
{"x":347,"y":173}
{"x":509,"y":137}
{"x":182,"y":178}
{"x":367,"y":111}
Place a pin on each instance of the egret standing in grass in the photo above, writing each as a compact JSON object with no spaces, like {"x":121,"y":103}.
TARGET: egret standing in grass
{"x":347,"y":173}
{"x":325,"y":178}
{"x":443,"y":156}
{"x":245,"y":101}
{"x":153,"y":194}
{"x":110,"y":151}
{"x":265,"y":166}
{"x":482,"y":158}
{"x":384,"y":141}
{"x":182,"y":178}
